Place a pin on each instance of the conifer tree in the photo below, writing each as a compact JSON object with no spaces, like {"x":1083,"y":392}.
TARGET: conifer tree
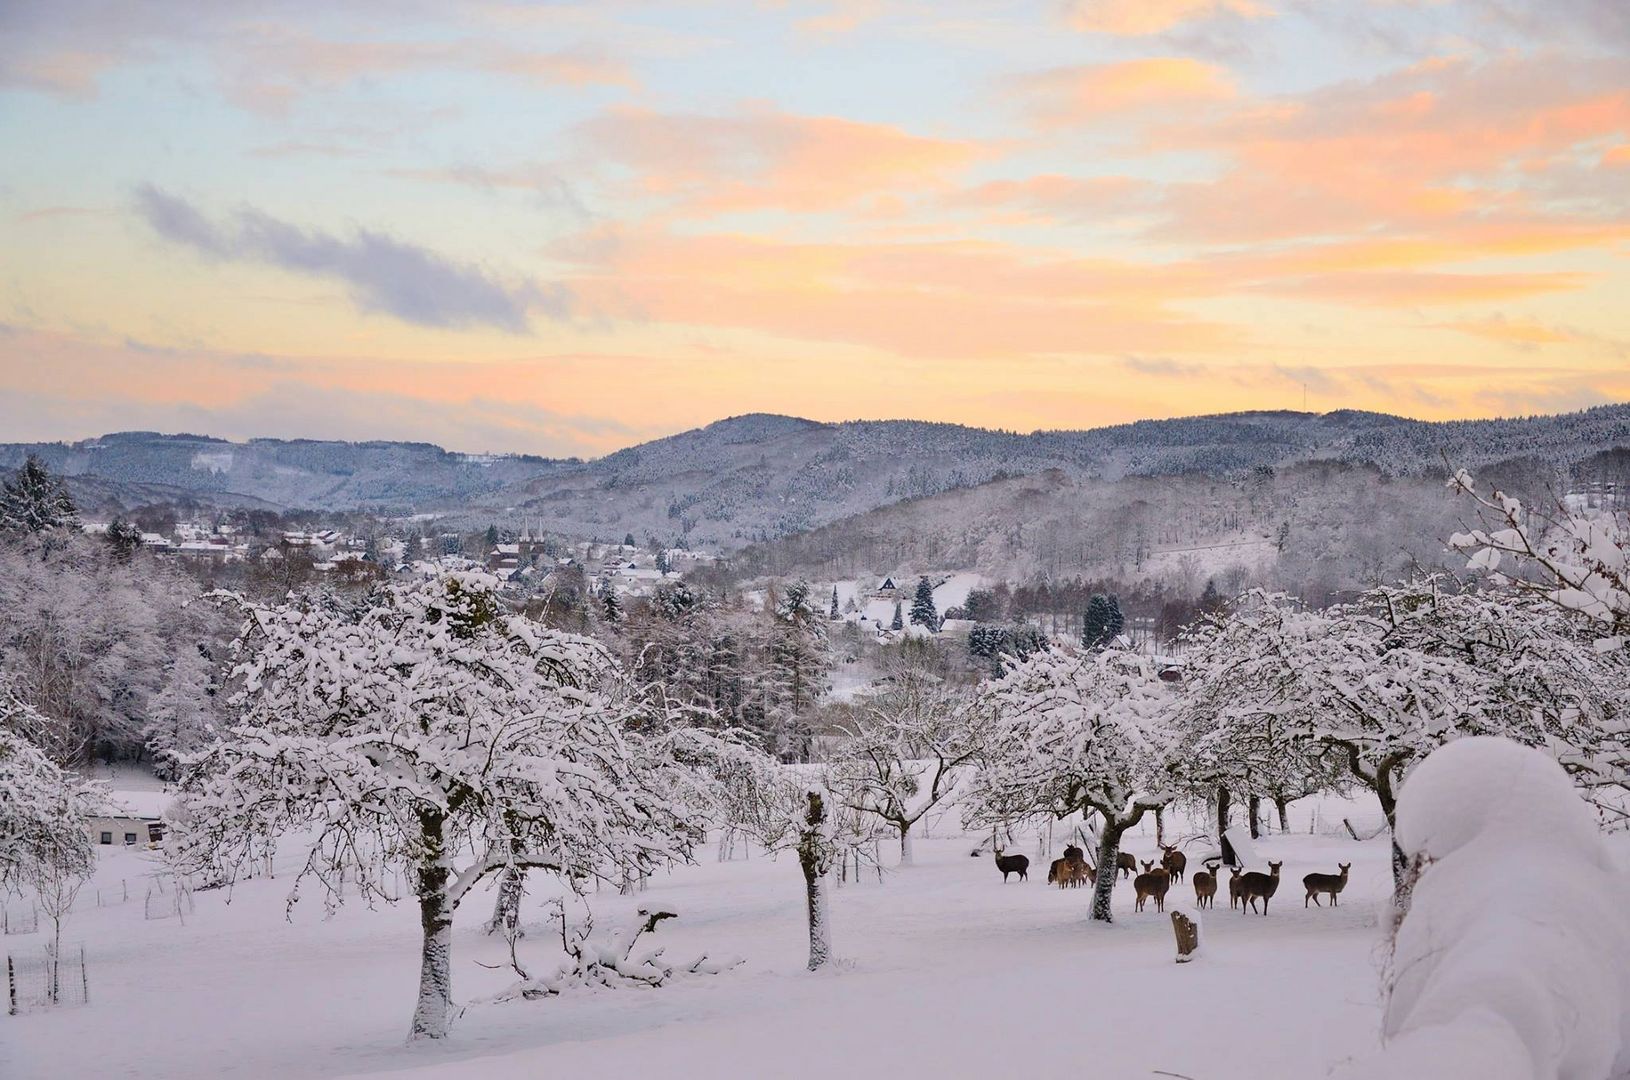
{"x":833,"y":614}
{"x":899,"y":621}
{"x":922,"y":607}
{"x":34,"y":501}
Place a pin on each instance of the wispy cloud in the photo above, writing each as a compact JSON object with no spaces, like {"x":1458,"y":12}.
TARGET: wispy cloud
{"x":385,"y":275}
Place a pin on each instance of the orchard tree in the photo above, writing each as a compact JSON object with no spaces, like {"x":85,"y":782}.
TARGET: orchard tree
{"x":1078,"y":733}
{"x":1387,"y":679}
{"x":436,"y":733}
{"x":905,"y":752}
{"x":1578,"y":561}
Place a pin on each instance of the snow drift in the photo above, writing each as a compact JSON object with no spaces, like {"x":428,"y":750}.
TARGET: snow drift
{"x":1513,"y":962}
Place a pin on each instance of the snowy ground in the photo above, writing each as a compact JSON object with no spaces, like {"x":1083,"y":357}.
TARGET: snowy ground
{"x":945,"y":972}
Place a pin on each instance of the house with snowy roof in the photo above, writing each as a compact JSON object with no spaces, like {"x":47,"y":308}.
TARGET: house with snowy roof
{"x":130,"y":819}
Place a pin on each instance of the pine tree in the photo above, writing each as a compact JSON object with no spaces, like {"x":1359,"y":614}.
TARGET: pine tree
{"x":922,"y":607}
{"x":611,"y":602}
{"x":628,"y":541}
{"x":899,"y":621}
{"x":124,"y":538}
{"x":663,"y":565}
{"x":1095,"y":633}
{"x":35,"y":501}
{"x":1117,"y":621}
{"x":492,"y":536}
{"x":1211,"y":600}
{"x":833,"y":614}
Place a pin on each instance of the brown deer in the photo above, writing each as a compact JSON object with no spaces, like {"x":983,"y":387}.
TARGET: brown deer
{"x":1012,"y":864}
{"x":1175,"y":862}
{"x":1153,"y":883}
{"x":1257,"y":885}
{"x":1126,"y":863}
{"x":1205,"y":886}
{"x":1326,"y":883}
{"x":1235,"y":874}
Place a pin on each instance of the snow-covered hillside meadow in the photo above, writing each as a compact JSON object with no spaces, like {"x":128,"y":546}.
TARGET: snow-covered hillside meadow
{"x":942,"y":971}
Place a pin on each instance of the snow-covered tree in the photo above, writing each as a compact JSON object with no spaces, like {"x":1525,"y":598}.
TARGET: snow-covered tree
{"x":42,"y":806}
{"x":1387,"y":679}
{"x":124,"y":538}
{"x":923,"y":612}
{"x":181,"y":714}
{"x":797,"y":665}
{"x":1102,"y":623}
{"x":832,"y":613}
{"x":1077,"y":733}
{"x":897,"y":623}
{"x":1579,"y":561}
{"x":611,"y":604}
{"x":34,"y":501}
{"x":905,"y":751}
{"x":436,"y":733}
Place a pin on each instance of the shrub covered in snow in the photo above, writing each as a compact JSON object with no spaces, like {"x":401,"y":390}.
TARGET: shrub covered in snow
{"x":1513,"y":961}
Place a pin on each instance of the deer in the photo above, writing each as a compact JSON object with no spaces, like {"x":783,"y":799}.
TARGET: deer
{"x":1175,"y":862}
{"x":1153,"y":883}
{"x":1326,"y":883}
{"x":1126,"y":863}
{"x":1235,"y":873}
{"x":1012,"y":864}
{"x":1205,"y":886}
{"x":1259,"y":885}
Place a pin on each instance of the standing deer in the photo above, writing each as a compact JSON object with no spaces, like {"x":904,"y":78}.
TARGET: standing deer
{"x":1235,"y":874}
{"x":1259,"y":885}
{"x":1012,"y":864}
{"x":1205,"y":886}
{"x":1326,"y":883}
{"x":1126,"y":863}
{"x":1153,"y":883}
{"x":1175,"y":862}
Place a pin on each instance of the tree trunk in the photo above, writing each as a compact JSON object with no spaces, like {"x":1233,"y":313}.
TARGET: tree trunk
{"x":506,"y":910}
{"x":433,"y":1013}
{"x":1160,"y":826}
{"x":811,"y":859}
{"x":1223,"y":806}
{"x":1254,"y":810}
{"x":1103,"y":889}
{"x":905,"y":844}
{"x":1280,"y":803}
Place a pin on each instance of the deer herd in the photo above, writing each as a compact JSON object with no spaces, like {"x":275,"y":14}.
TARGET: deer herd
{"x":1244,"y":888}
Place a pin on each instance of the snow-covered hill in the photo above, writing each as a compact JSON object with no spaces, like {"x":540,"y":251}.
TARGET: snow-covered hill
{"x":753,"y":478}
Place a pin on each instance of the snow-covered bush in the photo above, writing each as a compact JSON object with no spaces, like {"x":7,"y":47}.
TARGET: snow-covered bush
{"x":1074,"y":733}
{"x":436,"y":733}
{"x":1513,"y":961}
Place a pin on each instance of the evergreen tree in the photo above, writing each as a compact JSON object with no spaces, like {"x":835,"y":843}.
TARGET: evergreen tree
{"x":1117,"y":621}
{"x":1211,"y":600}
{"x":628,"y":541}
{"x":663,"y":565}
{"x":34,"y":501}
{"x":899,"y":621}
{"x":922,"y":607}
{"x":1095,"y":633}
{"x":124,"y":538}
{"x":611,"y":602}
{"x":492,"y":536}
{"x":833,"y":614}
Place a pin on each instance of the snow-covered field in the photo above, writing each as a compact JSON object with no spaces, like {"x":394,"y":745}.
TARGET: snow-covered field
{"x":944,"y":972}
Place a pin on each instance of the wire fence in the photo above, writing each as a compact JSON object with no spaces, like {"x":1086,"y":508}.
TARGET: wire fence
{"x":19,"y":919}
{"x":36,"y":981}
{"x":172,"y":902}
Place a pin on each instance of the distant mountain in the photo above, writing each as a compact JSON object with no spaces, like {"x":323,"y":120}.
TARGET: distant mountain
{"x":752,"y":478}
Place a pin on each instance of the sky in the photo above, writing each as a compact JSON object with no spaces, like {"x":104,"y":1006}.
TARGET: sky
{"x":565,"y":228}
